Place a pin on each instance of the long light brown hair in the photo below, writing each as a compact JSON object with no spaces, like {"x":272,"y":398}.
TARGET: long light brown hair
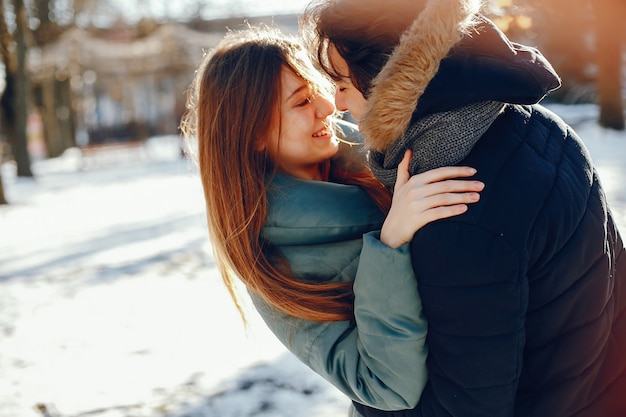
{"x":233,"y":103}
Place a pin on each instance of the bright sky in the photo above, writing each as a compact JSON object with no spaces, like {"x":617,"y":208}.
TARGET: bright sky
{"x":211,"y":8}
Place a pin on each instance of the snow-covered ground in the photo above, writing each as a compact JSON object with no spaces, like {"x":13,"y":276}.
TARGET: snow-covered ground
{"x":110,"y":304}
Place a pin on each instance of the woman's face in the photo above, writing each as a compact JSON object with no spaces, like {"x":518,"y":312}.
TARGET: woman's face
{"x":347,"y":96}
{"x":306,"y":137}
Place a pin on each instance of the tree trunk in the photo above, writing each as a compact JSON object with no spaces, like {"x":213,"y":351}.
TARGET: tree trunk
{"x":3,"y":200}
{"x":561,"y":31}
{"x":9,"y":96}
{"x":20,"y":148}
{"x":50,"y":121}
{"x":609,"y":43}
{"x":66,"y":114}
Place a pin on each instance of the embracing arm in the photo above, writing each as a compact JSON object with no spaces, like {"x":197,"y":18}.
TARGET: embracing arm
{"x":379,"y":360}
{"x":475,"y":297}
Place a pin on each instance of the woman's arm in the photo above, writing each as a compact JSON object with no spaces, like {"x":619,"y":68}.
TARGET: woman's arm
{"x":476,"y":310}
{"x":379,"y":360}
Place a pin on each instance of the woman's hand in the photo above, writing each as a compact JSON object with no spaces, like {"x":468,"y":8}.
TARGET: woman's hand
{"x":426,"y":197}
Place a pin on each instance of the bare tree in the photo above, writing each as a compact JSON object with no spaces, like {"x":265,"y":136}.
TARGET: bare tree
{"x":45,"y":30}
{"x":610,"y":35}
{"x":3,"y":200}
{"x":585,"y":44}
{"x":4,"y":34}
{"x":15,"y":97}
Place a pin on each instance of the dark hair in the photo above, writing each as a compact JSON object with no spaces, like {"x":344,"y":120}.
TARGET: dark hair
{"x":363,"y":36}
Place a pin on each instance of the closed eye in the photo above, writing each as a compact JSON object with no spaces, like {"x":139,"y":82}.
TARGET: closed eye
{"x":305,"y":101}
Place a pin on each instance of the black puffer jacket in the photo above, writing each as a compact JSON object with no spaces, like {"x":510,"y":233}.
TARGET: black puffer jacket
{"x":525,"y":294}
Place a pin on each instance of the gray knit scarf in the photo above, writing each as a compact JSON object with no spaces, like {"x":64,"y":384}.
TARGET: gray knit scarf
{"x":437,"y":140}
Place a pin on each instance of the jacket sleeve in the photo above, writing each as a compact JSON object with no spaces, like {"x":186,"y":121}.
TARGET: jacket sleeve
{"x":475,"y":297}
{"x":379,"y":359}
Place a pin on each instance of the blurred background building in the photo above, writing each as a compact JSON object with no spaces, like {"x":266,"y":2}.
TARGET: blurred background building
{"x":122,"y":84}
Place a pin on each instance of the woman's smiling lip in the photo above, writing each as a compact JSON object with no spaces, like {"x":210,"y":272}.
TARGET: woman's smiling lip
{"x":321,"y":133}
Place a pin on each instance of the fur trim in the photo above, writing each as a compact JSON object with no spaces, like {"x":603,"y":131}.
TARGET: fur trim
{"x":415,"y":61}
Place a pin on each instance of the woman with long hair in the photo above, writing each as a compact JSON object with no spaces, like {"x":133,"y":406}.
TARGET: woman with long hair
{"x":296,"y":215}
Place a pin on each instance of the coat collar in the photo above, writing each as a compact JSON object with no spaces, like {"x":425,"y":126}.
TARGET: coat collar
{"x":449,"y":57}
{"x":303,"y":212}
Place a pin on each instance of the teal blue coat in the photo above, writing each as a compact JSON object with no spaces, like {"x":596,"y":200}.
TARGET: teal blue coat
{"x":329,"y":232}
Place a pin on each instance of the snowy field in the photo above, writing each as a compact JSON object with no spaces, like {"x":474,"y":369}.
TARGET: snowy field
{"x":110,"y":304}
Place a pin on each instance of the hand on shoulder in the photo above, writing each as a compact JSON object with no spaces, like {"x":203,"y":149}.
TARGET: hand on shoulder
{"x":426,"y":197}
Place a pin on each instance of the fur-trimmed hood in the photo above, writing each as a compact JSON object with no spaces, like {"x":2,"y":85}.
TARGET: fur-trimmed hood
{"x":449,"y":57}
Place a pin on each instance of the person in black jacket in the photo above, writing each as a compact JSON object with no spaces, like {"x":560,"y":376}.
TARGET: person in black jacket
{"x":525,"y":294}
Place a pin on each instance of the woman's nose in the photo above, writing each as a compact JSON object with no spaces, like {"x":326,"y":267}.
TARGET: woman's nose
{"x":324,"y":106}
